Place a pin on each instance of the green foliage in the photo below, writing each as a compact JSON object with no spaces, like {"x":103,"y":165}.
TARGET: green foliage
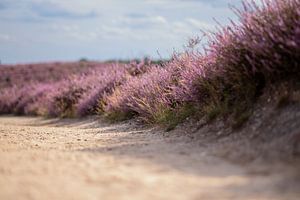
{"x":171,"y":118}
{"x":117,"y":116}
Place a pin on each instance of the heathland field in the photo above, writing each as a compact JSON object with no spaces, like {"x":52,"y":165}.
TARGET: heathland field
{"x":220,"y":120}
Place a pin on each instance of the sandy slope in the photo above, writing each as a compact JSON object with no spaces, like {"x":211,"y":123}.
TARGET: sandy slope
{"x":88,"y":159}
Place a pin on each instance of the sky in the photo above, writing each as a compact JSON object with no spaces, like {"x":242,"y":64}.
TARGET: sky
{"x":66,"y":30}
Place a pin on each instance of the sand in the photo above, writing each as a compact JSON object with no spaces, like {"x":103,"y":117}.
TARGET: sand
{"x":90,"y":159}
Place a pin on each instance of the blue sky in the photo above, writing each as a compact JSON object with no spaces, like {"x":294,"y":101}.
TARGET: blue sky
{"x":63,"y":30}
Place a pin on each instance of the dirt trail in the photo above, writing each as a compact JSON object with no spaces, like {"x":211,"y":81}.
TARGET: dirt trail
{"x":88,"y":159}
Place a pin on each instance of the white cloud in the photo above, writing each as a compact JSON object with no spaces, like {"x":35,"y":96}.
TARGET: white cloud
{"x":145,"y":22}
{"x":199,"y":24}
{"x":159,"y":19}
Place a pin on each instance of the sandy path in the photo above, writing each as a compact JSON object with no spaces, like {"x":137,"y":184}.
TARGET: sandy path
{"x":88,"y":159}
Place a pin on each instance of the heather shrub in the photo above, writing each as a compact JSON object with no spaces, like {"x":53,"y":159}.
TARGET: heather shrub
{"x":41,"y":99}
{"x":145,"y":96}
{"x":83,"y":94}
{"x":24,"y":100}
{"x":63,"y":104}
{"x":242,"y":59}
{"x":239,"y":61}
{"x":64,"y":100}
{"x":263,"y":48}
{"x":13,"y":100}
{"x":8,"y":98}
{"x":30,"y":95}
{"x":105,"y":82}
